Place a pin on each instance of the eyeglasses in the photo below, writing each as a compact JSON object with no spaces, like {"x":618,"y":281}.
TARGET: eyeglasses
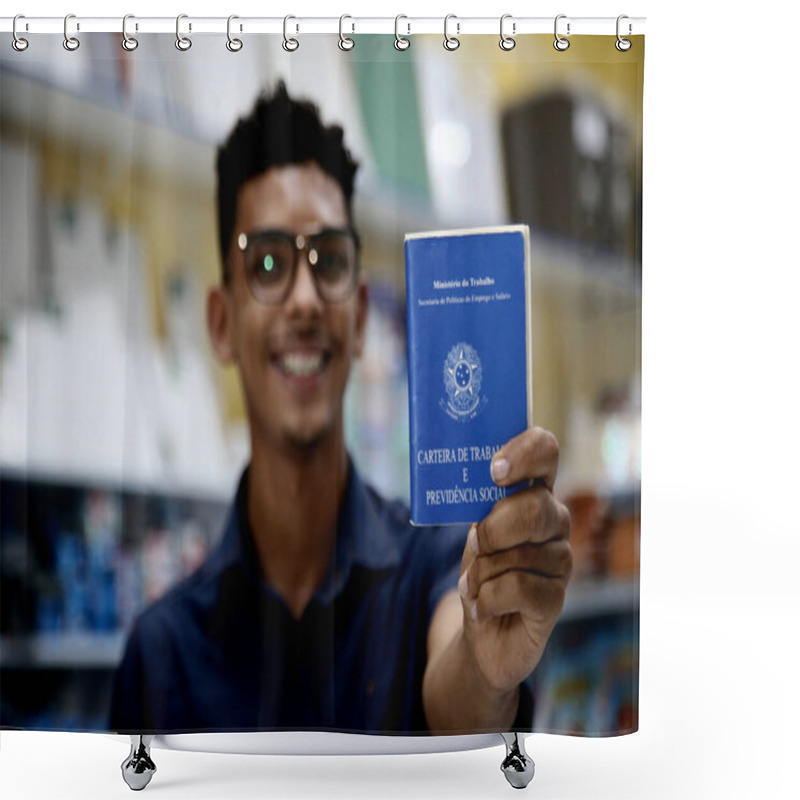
{"x":271,"y":258}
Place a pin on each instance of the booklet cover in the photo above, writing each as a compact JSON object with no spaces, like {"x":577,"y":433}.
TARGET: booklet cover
{"x":467,"y":302}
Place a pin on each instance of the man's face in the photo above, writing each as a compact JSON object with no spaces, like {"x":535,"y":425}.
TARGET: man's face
{"x":293,"y":357}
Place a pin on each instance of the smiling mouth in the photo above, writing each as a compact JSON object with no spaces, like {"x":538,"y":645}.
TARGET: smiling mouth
{"x":303,"y":364}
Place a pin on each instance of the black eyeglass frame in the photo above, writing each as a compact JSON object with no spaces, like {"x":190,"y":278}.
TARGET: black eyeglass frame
{"x":300,"y":242}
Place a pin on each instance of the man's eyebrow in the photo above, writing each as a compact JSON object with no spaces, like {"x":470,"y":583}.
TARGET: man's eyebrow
{"x":308,"y":231}
{"x":336,"y":229}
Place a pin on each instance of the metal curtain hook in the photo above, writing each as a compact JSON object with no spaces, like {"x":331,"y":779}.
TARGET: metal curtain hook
{"x":623,"y":45}
{"x":400,"y":42}
{"x":345,"y":42}
{"x":18,"y":43}
{"x":70,"y":42}
{"x":507,"y":42}
{"x":290,"y":45}
{"x":183,"y":43}
{"x":234,"y":45}
{"x":129,"y":43}
{"x":451,"y":42}
{"x":560,"y":43}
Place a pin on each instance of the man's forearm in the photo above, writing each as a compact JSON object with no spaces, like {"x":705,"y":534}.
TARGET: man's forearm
{"x":457,"y":698}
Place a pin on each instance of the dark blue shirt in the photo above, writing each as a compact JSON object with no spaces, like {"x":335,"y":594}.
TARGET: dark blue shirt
{"x":221,"y":651}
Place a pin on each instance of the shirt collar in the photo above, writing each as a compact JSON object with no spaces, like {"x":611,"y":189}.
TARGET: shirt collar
{"x":363,"y":537}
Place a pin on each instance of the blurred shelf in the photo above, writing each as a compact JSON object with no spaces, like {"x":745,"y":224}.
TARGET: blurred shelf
{"x":62,"y":651}
{"x":76,"y":479}
{"x":624,"y":500}
{"x":587,"y":599}
{"x":573,"y":268}
{"x":171,"y":146}
{"x":104,"y":123}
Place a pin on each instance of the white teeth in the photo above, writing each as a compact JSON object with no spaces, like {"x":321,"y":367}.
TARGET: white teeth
{"x":302,"y":364}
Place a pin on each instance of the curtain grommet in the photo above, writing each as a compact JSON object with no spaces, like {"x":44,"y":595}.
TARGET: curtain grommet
{"x":346,"y":44}
{"x":401,"y":43}
{"x":129,"y":43}
{"x":451,"y":43}
{"x":561,"y":43}
{"x":507,"y":42}
{"x":622,"y":44}
{"x":71,"y":43}
{"x":18,"y":42}
{"x":289,"y":44}
{"x":183,"y":43}
{"x":233,"y":44}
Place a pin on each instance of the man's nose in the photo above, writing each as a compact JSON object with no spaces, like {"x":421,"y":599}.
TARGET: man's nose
{"x":303,"y":295}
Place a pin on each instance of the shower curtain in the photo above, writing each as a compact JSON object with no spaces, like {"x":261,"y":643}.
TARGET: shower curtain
{"x":125,"y":437}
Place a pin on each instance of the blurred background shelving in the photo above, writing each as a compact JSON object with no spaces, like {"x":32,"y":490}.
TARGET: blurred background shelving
{"x":62,"y":650}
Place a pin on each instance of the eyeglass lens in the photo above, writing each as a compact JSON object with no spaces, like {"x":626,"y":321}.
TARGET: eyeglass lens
{"x":271,"y":261}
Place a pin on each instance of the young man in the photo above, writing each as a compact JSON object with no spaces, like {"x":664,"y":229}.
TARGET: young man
{"x":322,"y":608}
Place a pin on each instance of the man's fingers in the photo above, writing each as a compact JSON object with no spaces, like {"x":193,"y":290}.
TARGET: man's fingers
{"x":531,"y":456}
{"x":470,"y":548}
{"x":551,"y":560}
{"x":533,"y":596}
{"x":531,"y":516}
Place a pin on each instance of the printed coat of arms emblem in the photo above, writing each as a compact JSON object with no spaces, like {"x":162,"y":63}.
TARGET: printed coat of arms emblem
{"x":462,"y":376}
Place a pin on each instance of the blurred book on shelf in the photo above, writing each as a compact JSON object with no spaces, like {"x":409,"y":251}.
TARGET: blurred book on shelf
{"x":604,"y":536}
{"x":584,"y":681}
{"x":588,"y":682}
{"x":581,"y":191}
{"x":86,"y":560}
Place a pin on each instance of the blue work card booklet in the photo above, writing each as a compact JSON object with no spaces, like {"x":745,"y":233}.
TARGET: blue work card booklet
{"x":469,"y":370}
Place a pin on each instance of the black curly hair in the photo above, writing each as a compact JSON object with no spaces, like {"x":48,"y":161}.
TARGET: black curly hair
{"x":279,"y":130}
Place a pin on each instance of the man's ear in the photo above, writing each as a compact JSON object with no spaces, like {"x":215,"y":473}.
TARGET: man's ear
{"x":219,"y":322}
{"x":362,"y":300}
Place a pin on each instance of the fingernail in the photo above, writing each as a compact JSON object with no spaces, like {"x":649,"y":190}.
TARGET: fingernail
{"x":463,"y":584}
{"x":472,"y":610}
{"x":472,"y":539}
{"x":499,"y":469}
